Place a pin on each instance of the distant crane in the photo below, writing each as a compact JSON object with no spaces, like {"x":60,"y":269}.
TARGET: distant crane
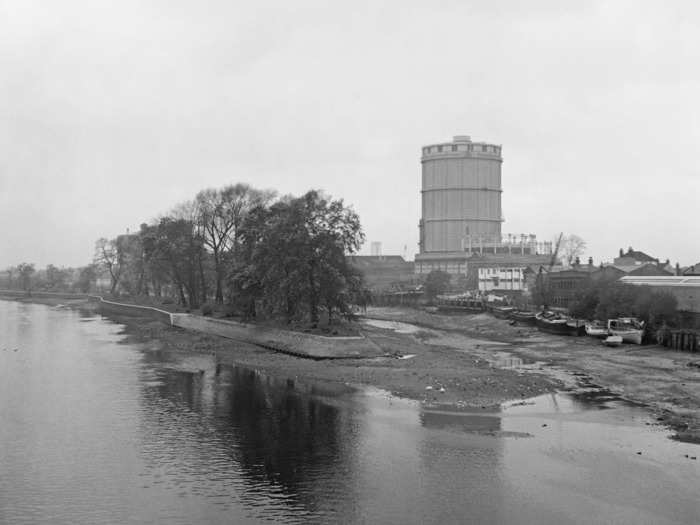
{"x":542,"y":289}
{"x":556,"y":252}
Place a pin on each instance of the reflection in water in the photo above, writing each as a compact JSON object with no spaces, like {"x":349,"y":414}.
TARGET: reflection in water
{"x":461,"y":422}
{"x":268,"y":437}
{"x":97,"y":431}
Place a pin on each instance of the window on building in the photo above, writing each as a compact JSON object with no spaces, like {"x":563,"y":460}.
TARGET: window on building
{"x":483,"y":148}
{"x":454,"y":147}
{"x":439,"y":149}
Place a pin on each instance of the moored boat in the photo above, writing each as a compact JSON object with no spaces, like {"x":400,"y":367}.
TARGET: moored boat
{"x":596,"y":329}
{"x":629,"y":328}
{"x":555,"y":323}
{"x":459,"y":304}
{"x":577,"y":325}
{"x":502,"y":312}
{"x":523,"y":316}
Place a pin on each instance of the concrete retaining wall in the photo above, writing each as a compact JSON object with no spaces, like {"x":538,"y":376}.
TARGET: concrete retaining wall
{"x":108,"y":307}
{"x":295,"y":343}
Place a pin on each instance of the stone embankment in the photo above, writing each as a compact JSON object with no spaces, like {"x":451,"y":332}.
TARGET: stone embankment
{"x":286,"y":341}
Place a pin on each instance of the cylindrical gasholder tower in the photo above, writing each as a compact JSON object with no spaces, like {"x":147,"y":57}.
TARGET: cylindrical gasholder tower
{"x":461,"y":194}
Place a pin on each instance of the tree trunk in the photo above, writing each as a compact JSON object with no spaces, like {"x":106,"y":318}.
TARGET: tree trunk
{"x":205,"y":292}
{"x":313,"y":298}
{"x":156,"y":287}
{"x":219,"y":294}
{"x":251,"y":313}
{"x":192,"y":291}
{"x":142,"y":281}
{"x":289,"y":313}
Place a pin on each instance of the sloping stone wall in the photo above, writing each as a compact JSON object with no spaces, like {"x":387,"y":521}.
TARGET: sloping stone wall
{"x":295,"y":343}
{"x":108,"y":307}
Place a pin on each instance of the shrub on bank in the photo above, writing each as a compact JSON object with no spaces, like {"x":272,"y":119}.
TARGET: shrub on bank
{"x":207,"y":309}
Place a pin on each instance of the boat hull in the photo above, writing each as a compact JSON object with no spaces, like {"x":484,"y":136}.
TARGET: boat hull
{"x":501,"y":312}
{"x":598,"y":332}
{"x":523,"y":317}
{"x":558,"y":326}
{"x":629,"y":336}
{"x":449,"y":309}
{"x":629,"y":328}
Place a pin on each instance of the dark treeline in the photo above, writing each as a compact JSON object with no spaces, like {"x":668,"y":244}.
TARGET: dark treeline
{"x":27,"y":277}
{"x":244,"y":251}
{"x":606,"y":299}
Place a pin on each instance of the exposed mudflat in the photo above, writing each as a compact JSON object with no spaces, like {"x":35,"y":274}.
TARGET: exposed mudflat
{"x":666,"y":381}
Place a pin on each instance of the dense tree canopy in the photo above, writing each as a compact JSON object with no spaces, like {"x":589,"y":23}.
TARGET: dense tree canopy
{"x":293,"y":258}
{"x":436,"y":283}
{"x":609,"y":300}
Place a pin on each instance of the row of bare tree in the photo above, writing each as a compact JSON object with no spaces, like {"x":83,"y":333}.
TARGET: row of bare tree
{"x":184,"y":248}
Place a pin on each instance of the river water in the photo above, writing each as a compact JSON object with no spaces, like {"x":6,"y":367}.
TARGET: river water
{"x":93,"y":430}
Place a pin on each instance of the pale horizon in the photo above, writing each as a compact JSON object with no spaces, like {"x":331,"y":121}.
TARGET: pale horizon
{"x":113,"y":114}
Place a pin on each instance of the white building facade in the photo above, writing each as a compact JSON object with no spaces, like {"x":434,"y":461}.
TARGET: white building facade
{"x":501,"y":279}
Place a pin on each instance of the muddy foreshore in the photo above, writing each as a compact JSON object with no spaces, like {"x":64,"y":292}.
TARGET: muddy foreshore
{"x":665,"y":381}
{"x":466,"y":362}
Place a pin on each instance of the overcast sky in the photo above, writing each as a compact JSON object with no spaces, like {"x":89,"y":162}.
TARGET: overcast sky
{"x":111,"y":112}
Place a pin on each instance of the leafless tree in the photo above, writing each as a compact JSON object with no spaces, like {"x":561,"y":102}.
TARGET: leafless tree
{"x":220,"y":214}
{"x":107,"y":256}
{"x":572,"y":247}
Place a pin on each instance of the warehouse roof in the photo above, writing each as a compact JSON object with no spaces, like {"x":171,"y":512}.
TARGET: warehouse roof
{"x":663,"y":280}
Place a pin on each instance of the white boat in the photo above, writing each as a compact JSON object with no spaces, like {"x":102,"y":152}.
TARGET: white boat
{"x":629,"y":328}
{"x":612,"y":340}
{"x":596,"y":329}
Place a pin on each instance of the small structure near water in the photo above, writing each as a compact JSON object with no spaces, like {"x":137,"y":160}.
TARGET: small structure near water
{"x":688,"y":340}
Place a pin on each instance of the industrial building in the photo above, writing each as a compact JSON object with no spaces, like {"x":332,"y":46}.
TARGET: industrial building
{"x":461,"y":217}
{"x":461,"y":194}
{"x":384,"y":272}
{"x":686,"y":289}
